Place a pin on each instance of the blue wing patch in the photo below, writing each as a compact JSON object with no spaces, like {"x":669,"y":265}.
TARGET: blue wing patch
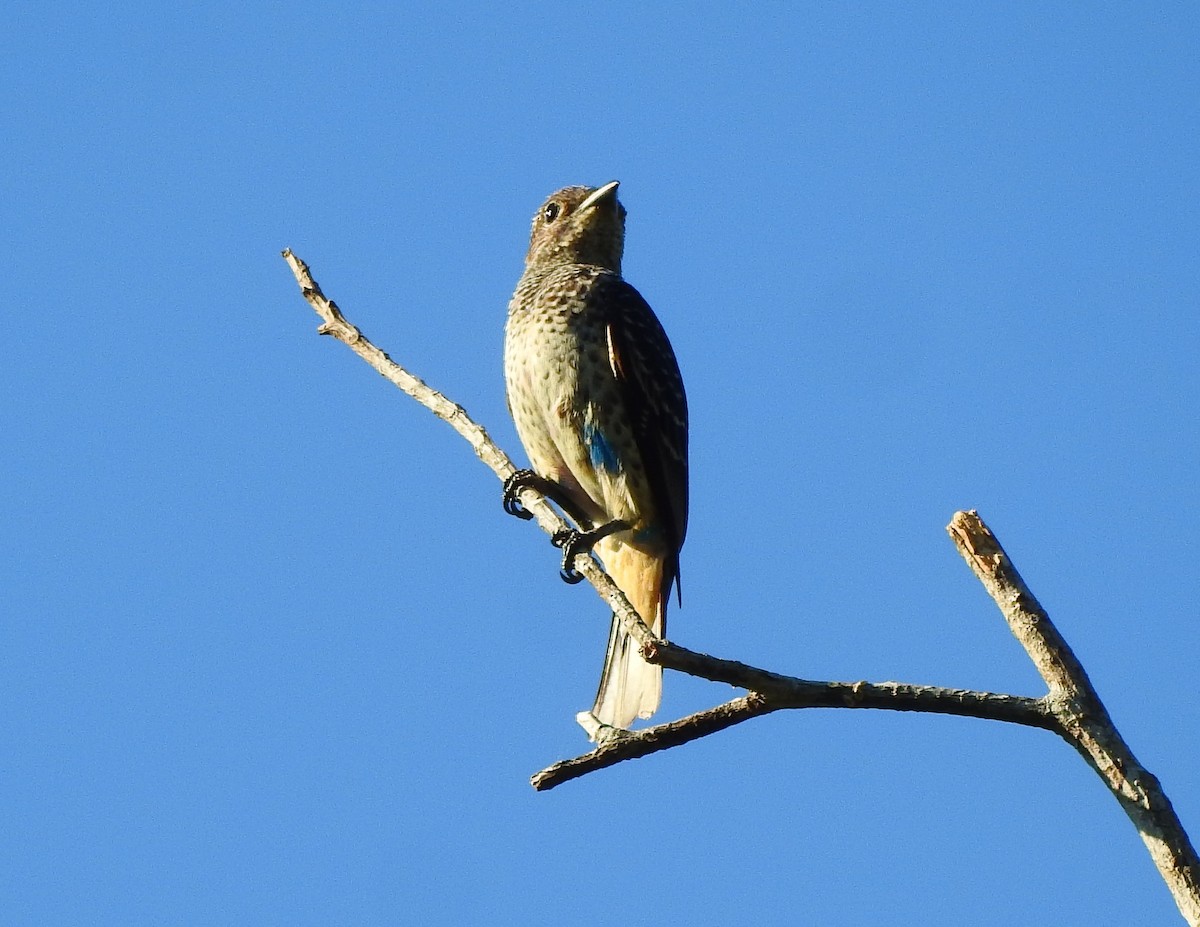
{"x":600,"y":452}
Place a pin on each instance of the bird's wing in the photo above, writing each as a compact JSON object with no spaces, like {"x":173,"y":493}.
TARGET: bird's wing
{"x":645,"y":368}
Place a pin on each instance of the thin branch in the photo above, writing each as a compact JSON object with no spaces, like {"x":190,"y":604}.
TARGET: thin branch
{"x":631,"y":745}
{"x":335,"y":324}
{"x":548,"y":519}
{"x":1027,"y":620}
{"x":772,"y":692}
{"x":1082,"y":720}
{"x":793,"y":692}
{"x":790,"y":692}
{"x":786,"y":692}
{"x":1071,"y":708}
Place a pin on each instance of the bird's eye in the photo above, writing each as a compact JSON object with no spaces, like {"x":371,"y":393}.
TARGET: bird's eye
{"x":550,"y":213}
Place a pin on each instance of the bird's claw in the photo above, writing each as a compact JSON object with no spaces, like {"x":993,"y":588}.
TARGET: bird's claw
{"x":572,"y":543}
{"x":512,"y":489}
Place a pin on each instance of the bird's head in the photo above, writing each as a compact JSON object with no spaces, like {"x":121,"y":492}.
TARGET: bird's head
{"x":579,"y":225}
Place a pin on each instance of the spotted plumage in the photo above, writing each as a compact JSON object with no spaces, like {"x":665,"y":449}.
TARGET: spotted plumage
{"x":598,"y":401}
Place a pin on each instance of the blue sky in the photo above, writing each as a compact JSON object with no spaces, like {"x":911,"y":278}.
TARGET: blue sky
{"x":272,"y":653}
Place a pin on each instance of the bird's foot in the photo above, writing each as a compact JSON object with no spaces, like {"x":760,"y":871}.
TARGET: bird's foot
{"x":548,"y":488}
{"x":512,"y":489}
{"x":573,"y":543}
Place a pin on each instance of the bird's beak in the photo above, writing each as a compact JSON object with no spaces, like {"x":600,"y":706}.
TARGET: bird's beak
{"x":599,"y":194}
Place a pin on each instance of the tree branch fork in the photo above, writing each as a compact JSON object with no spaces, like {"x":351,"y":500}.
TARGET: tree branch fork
{"x":1070,"y":708}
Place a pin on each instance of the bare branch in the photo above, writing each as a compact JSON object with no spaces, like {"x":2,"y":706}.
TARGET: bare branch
{"x":335,"y":324}
{"x":1071,"y":708}
{"x":792,"y":693}
{"x":1082,"y":720}
{"x":631,"y":745}
{"x":1026,"y":618}
{"x":549,"y":520}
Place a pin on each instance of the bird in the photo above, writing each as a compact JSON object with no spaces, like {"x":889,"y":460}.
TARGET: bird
{"x":598,"y":401}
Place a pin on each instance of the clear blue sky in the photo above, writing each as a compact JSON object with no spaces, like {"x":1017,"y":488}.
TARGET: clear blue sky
{"x":272,"y":654}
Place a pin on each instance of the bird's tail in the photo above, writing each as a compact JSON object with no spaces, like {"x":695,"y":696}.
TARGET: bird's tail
{"x":629,"y":686}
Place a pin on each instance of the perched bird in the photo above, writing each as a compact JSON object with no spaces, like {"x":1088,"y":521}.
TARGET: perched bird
{"x":596,"y":395}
